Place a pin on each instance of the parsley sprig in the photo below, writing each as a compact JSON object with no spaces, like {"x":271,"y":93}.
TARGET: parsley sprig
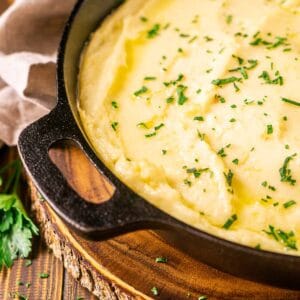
{"x":16,"y":228}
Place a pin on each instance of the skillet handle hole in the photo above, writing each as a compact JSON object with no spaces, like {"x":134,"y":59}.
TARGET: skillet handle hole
{"x":80,"y":173}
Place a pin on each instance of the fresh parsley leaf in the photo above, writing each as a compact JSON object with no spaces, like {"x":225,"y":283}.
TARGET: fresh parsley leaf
{"x":16,"y":228}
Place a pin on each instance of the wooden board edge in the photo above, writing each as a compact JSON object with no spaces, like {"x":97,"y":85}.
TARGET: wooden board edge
{"x":81,"y":270}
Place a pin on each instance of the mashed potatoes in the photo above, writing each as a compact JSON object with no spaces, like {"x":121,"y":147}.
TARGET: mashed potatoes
{"x":195,"y":105}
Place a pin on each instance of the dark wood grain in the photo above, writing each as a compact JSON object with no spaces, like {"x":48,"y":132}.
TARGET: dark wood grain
{"x":125,"y":267}
{"x":14,"y":281}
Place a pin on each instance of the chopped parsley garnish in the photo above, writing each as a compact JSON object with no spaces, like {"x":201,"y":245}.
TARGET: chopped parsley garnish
{"x":141,"y":91}
{"x":156,"y":128}
{"x":243,"y":69}
{"x":114,"y":125}
{"x":174,"y":82}
{"x":197,"y":172}
{"x":201,"y":135}
{"x":161,"y":260}
{"x":208,"y":38}
{"x":289,"y":203}
{"x":199,"y":118}
{"x":180,"y":93}
{"x":259,"y":41}
{"x":221,"y":152}
{"x":270,"y":129}
{"x":286,"y":238}
{"x":229,"y":177}
{"x":230,"y":221}
{"x":143,"y":19}
{"x":229,"y":19}
{"x":235,"y":161}
{"x":159,"y":126}
{"x":170,"y":99}
{"x":142,"y":125}
{"x":150,"y":135}
{"x":154,"y":31}
{"x":285,"y":172}
{"x":267,"y":78}
{"x":202,"y":297}
{"x":194,"y":38}
{"x":224,"y":81}
{"x":187,"y":182}
{"x":290,"y":102}
{"x":220,"y":98}
{"x":164,"y":152}
{"x":114,"y":104}
{"x":149,"y":78}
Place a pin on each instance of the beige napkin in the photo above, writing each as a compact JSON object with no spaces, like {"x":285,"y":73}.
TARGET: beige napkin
{"x":30,"y":32}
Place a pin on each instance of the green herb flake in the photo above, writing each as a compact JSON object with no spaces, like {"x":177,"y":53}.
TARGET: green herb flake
{"x":150,"y":78}
{"x":170,"y":100}
{"x":202,"y":297}
{"x":44,"y":275}
{"x":150,"y":135}
{"x":229,"y":19}
{"x":154,"y":31}
{"x":224,"y":81}
{"x":180,"y":93}
{"x":229,"y":177}
{"x":220,"y":99}
{"x":197,"y":172}
{"x":267,"y":78}
{"x":270,"y":129}
{"x":143,"y":19}
{"x":290,"y":102}
{"x":289,"y":203}
{"x":114,"y":125}
{"x":155,"y":291}
{"x":208,"y":38}
{"x":230,"y":221}
{"x":141,"y":91}
{"x":235,"y":161}
{"x":288,"y":239}
{"x":156,"y":128}
{"x":161,"y":260}
{"x":199,"y":118}
{"x":114,"y":104}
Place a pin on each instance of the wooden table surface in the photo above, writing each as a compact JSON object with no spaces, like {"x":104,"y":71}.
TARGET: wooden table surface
{"x":59,"y":285}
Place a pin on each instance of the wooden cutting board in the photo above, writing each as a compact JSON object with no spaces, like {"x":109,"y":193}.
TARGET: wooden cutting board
{"x":125,"y":267}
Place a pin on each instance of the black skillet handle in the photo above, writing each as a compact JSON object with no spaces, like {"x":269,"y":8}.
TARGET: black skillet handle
{"x":124,"y":212}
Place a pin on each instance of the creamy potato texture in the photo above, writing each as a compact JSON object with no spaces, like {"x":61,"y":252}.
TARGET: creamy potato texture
{"x":195,"y":105}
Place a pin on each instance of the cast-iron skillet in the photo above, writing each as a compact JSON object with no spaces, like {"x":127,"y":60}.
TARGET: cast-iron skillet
{"x":125,"y":211}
